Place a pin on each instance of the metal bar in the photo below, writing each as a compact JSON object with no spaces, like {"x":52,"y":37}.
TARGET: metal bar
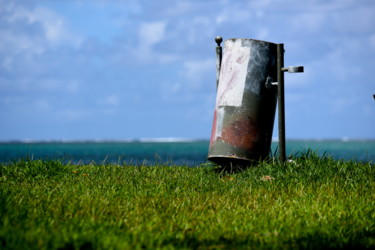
{"x":281,"y":101}
{"x":293,"y":69}
{"x":219,"y":55}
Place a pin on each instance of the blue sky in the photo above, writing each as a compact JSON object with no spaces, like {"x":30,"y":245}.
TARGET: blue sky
{"x":146,"y":69}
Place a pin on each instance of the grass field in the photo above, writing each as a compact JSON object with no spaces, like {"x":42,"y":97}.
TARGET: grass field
{"x":311,"y":203}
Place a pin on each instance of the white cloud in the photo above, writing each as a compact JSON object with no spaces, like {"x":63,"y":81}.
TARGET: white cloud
{"x":45,"y":85}
{"x":28,"y":32}
{"x":42,"y":105}
{"x":341,"y":63}
{"x":368,"y":109}
{"x":144,"y":52}
{"x":341,"y":104}
{"x":175,"y":92}
{"x":72,"y":115}
{"x":196,"y":71}
{"x":192,"y":82}
{"x":72,"y":86}
{"x":221,"y":18}
{"x":151,"y":33}
{"x":54,"y":26}
{"x":332,"y":18}
{"x":372,"y":41}
{"x":357,"y":20}
{"x":263,"y":34}
{"x":234,"y":13}
{"x":12,"y":101}
{"x":180,"y":8}
{"x":310,"y":22}
{"x":110,"y":100}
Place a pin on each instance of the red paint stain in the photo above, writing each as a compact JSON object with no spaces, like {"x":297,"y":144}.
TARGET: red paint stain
{"x":241,"y":133}
{"x":240,"y":59}
{"x":229,"y":85}
{"x":213,"y":131}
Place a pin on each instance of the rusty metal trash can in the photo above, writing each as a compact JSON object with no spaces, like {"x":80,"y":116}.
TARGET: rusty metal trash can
{"x":245,"y":103}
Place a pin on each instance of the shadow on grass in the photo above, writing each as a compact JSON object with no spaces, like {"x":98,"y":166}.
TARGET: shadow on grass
{"x":313,"y":240}
{"x":230,"y":166}
{"x":361,"y":240}
{"x":84,"y":246}
{"x":364,"y":240}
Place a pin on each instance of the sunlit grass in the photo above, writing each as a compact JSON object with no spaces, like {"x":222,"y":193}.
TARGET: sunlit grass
{"x":312,"y":202}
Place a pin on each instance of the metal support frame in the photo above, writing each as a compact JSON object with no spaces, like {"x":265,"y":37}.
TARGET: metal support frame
{"x":219,"y":56}
{"x":281,"y":97}
{"x":281,"y":101}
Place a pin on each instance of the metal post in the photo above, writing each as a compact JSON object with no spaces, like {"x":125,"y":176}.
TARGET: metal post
{"x":219,"y":55}
{"x":281,"y":101}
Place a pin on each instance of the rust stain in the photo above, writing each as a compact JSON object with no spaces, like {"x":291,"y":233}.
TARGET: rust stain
{"x":241,"y":133}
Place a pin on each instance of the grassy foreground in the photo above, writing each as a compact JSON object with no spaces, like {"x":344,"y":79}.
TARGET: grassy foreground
{"x":309,"y":203}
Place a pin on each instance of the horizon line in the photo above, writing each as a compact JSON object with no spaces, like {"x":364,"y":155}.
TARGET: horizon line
{"x":166,"y":140}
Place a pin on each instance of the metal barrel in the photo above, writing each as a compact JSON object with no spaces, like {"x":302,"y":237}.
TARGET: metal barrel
{"x":245,"y":103}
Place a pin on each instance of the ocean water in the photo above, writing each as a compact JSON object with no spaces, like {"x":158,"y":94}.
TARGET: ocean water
{"x":191,"y":153}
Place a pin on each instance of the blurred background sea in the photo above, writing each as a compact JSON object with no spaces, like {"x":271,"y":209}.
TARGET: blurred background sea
{"x":170,"y":151}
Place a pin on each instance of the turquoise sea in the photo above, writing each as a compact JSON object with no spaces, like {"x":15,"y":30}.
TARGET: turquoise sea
{"x":191,"y":153}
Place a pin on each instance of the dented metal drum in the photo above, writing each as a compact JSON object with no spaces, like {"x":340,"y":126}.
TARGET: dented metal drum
{"x":245,"y":103}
